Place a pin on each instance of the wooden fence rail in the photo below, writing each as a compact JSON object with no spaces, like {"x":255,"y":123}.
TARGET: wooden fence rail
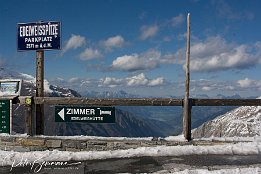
{"x":144,"y":101}
{"x":226,"y":102}
{"x":130,"y":102}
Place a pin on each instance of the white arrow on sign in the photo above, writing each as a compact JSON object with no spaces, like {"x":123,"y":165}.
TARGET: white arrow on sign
{"x":61,"y":113}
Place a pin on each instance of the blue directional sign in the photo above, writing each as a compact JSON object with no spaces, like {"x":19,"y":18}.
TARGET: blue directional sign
{"x":39,"y":36}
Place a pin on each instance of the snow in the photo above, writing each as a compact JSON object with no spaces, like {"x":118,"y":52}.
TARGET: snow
{"x":245,"y":148}
{"x":7,"y":93}
{"x":81,"y":137}
{"x":175,"y":138}
{"x":27,"y":77}
{"x":47,"y":87}
{"x":179,"y":138}
{"x":250,"y":170}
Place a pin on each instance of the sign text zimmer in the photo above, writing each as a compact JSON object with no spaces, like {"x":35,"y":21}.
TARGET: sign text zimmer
{"x":85,"y":114}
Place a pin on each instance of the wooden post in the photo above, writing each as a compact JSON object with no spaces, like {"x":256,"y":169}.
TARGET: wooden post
{"x":39,"y":91}
{"x":187,"y":105}
{"x":28,"y":120}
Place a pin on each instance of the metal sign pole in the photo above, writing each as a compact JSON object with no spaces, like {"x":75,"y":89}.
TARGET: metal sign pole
{"x":187,"y":104}
{"x":39,"y":91}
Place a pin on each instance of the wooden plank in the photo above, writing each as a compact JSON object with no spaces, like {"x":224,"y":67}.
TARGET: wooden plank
{"x":142,"y":101}
{"x":226,"y":102}
{"x":108,"y":102}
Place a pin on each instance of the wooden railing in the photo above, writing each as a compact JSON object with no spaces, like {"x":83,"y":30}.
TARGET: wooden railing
{"x":131,"y":102}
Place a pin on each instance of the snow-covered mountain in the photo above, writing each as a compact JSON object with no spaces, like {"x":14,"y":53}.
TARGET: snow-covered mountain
{"x":126,"y":124}
{"x":29,"y":86}
{"x":243,"y":121}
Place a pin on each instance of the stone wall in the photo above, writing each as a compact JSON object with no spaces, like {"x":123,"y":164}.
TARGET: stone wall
{"x":27,"y":143}
{"x":24,"y":144}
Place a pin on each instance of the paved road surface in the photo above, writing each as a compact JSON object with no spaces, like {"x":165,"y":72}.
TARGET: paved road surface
{"x":141,"y":165}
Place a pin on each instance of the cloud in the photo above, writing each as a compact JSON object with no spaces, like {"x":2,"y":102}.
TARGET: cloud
{"x":73,"y":80}
{"x":145,"y":61}
{"x":142,"y":80}
{"x":148,"y":31}
{"x":177,"y":20}
{"x":249,"y":84}
{"x":211,"y":55}
{"x":207,"y":88}
{"x":113,"y":42}
{"x":134,"y":81}
{"x":213,"y":86}
{"x":219,"y":86}
{"x":215,"y":54}
{"x":75,"y":41}
{"x":112,"y":82}
{"x":138,"y":80}
{"x":246,"y":83}
{"x":156,"y":82}
{"x":90,"y":53}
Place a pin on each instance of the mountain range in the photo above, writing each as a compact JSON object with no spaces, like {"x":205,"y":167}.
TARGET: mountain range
{"x":242,"y":122}
{"x":126,"y":124}
{"x":135,"y":121}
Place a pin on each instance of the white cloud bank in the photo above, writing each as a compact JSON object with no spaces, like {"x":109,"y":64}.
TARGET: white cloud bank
{"x":134,"y":81}
{"x":144,"y":61}
{"x":213,"y":54}
{"x":133,"y":63}
{"x":249,"y":84}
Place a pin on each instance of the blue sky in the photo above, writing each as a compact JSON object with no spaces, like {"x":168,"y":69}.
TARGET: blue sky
{"x":139,"y":45}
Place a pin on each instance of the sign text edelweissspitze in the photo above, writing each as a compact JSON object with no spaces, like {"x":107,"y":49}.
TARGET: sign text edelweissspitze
{"x":39,"y":36}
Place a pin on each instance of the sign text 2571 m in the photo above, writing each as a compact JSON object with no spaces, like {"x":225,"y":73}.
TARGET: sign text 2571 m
{"x":39,"y":36}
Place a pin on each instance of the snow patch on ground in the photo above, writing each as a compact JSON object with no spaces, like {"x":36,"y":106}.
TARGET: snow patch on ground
{"x":231,"y":139}
{"x":81,"y":137}
{"x":250,"y":170}
{"x":247,"y":148}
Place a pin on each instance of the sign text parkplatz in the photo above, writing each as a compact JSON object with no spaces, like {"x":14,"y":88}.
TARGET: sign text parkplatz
{"x":39,"y":36}
{"x":85,"y":114}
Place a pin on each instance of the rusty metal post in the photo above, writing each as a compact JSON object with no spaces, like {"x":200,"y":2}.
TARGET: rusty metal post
{"x":187,"y":105}
{"x":39,"y":91}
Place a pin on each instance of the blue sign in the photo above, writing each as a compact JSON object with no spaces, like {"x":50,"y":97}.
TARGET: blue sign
{"x":39,"y":36}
